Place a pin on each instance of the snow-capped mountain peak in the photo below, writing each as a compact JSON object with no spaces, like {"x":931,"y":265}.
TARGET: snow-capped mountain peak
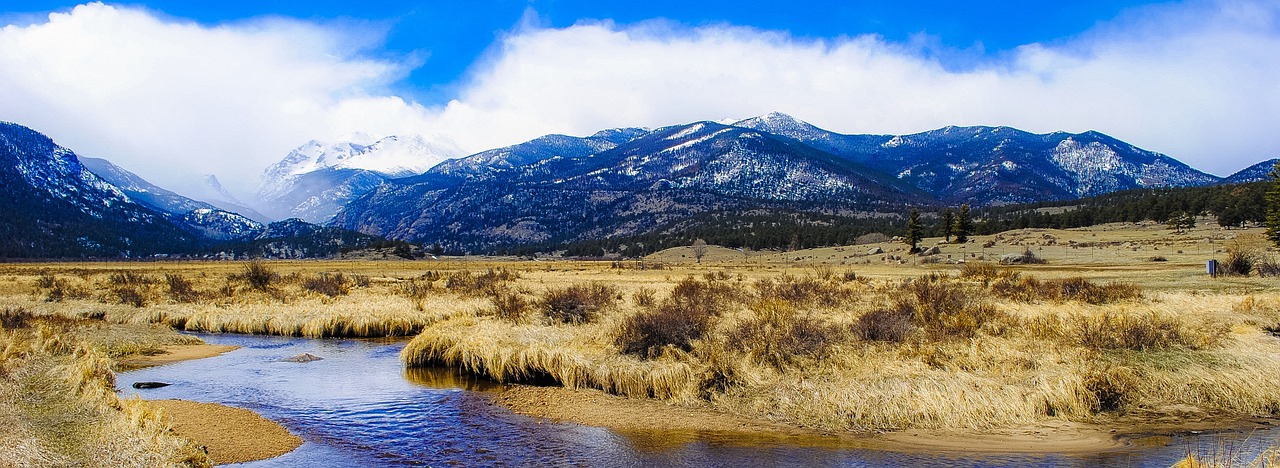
{"x":392,"y":156}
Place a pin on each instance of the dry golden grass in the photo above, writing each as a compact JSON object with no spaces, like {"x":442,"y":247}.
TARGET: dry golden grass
{"x":831,"y":338}
{"x":59,"y":407}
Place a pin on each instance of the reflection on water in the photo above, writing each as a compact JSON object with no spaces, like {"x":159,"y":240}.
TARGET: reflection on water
{"x":360,"y":407}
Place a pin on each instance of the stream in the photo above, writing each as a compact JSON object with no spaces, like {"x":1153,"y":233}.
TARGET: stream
{"x":359,"y":406}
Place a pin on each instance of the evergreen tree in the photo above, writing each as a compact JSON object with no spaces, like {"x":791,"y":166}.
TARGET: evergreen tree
{"x":948,"y":224}
{"x":964,"y":225}
{"x":1273,"y":206}
{"x":914,"y":231}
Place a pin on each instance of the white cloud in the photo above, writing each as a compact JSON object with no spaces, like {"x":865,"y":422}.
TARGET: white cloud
{"x":168,"y":98}
{"x":1196,"y":81}
{"x":171,"y":100}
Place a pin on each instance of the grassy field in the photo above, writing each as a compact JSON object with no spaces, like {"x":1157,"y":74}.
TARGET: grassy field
{"x":1120,"y":320}
{"x":58,"y":405}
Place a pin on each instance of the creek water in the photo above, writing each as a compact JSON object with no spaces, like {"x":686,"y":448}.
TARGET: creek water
{"x":359,"y":406}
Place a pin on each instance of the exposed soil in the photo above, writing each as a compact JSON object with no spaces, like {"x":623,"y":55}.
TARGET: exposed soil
{"x":231,"y":435}
{"x":175,"y":353}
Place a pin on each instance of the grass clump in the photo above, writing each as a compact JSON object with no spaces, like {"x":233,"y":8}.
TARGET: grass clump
{"x":577,"y":303}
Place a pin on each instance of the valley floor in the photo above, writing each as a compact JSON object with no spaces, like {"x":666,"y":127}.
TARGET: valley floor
{"x":1119,"y":328}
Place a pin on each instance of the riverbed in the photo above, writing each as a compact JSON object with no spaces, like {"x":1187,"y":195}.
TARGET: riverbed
{"x":359,"y":406}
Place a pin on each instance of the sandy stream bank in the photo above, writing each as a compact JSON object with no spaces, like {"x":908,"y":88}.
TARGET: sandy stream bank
{"x":229,"y":434}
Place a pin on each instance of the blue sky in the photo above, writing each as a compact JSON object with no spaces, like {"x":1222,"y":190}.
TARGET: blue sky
{"x":449,"y":36}
{"x":173,"y":89}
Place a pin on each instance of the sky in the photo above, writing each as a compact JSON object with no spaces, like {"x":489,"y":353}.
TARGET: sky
{"x":175,"y":89}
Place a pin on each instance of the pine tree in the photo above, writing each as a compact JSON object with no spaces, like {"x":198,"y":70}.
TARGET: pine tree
{"x":914,"y":231}
{"x":1273,"y":206}
{"x":948,"y":224}
{"x":964,"y":225}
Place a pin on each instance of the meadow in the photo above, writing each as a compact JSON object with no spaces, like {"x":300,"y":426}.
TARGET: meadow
{"x":1106,"y":325}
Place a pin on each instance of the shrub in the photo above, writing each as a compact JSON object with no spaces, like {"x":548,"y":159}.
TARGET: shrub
{"x":257,"y":275}
{"x":778,"y":336}
{"x":329,"y":285}
{"x":488,"y":283}
{"x":1139,"y":333}
{"x":415,"y":288}
{"x":984,"y":271}
{"x":1110,"y":386}
{"x":1239,"y":261}
{"x":577,"y":303}
{"x":1079,"y":289}
{"x":509,"y":306}
{"x":14,"y":317}
{"x":802,"y":291}
{"x":644,"y":297}
{"x":129,"y":278}
{"x":133,"y":295}
{"x":677,"y":322}
{"x":891,"y":324}
{"x":60,"y":289}
{"x":180,"y":288}
{"x":1267,"y":266}
{"x":945,"y":309}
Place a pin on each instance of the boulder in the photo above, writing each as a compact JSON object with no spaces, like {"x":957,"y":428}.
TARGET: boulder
{"x":304,"y":357}
{"x":143,"y":385}
{"x":875,"y":251}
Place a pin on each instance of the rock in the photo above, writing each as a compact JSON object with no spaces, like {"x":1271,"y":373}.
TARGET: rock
{"x":875,"y":251}
{"x":1010,"y":259}
{"x":930,"y":251}
{"x":304,"y":357}
{"x":150,"y":384}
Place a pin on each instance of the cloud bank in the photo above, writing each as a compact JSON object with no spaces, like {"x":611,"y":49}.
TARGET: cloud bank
{"x":169,"y":98}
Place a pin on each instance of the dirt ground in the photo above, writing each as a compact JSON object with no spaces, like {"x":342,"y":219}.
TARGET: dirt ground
{"x":231,"y":435}
{"x":175,"y":353}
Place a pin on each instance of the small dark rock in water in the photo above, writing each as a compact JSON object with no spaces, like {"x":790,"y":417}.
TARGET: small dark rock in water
{"x":304,"y":357}
{"x":150,"y":384}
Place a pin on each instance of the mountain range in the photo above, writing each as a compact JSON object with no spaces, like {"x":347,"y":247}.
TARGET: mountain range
{"x":315,"y":180}
{"x":559,"y":189}
{"x":56,"y":204}
{"x":627,"y":182}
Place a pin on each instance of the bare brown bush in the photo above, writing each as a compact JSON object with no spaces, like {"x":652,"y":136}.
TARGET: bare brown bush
{"x":577,"y":303}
